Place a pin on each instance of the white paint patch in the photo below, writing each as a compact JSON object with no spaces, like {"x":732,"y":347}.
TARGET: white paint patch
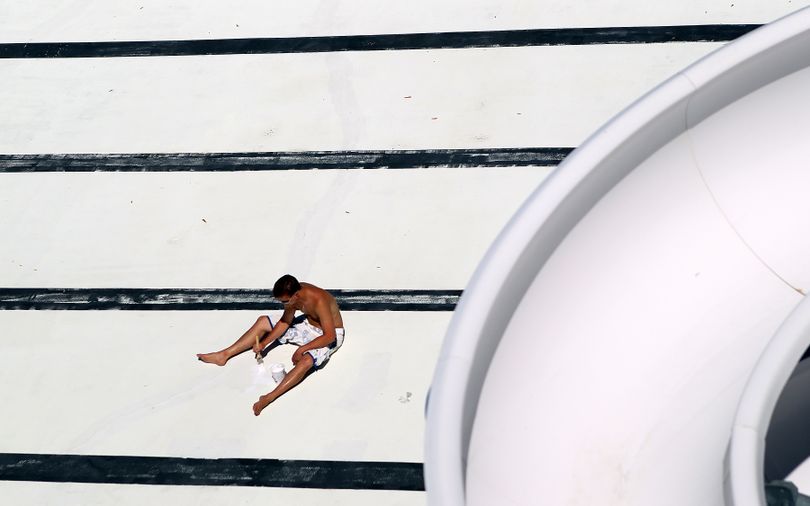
{"x":263,"y":380}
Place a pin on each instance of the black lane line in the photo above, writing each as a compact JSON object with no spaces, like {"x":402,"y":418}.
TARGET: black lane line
{"x":212,"y":472}
{"x":206,"y":299}
{"x":215,"y":162}
{"x":384,"y":42}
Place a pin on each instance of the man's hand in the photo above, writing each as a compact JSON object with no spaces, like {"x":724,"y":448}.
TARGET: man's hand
{"x":297,"y":356}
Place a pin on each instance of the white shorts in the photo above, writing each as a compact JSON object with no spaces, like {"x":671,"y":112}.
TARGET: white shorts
{"x":303,"y":333}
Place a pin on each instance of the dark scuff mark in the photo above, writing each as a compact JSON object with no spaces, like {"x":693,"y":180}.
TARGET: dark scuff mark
{"x":303,"y":160}
{"x":382,"y":42}
{"x":318,"y":474}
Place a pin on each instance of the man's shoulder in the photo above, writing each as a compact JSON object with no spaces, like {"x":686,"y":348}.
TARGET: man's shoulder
{"x":314,"y":289}
{"x":317,"y":294}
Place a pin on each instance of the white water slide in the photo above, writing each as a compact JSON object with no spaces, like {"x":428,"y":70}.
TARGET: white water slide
{"x":627,"y":337}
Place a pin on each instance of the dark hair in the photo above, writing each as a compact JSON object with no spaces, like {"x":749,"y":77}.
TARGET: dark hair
{"x":286,"y":286}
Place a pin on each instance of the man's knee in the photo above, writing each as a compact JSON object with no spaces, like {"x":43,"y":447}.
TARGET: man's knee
{"x":263,"y":323}
{"x":306,"y":361}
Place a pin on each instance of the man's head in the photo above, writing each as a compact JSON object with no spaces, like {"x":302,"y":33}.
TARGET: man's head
{"x":286,"y":287}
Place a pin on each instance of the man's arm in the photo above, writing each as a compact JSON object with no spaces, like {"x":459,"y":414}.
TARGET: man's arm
{"x":280,"y":328}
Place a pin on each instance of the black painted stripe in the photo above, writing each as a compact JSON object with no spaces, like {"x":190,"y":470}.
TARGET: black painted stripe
{"x":437,"y":40}
{"x":199,"y":299}
{"x":212,"y":472}
{"x":215,"y":162}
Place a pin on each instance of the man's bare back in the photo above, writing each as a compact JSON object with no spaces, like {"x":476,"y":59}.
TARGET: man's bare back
{"x":314,"y":302}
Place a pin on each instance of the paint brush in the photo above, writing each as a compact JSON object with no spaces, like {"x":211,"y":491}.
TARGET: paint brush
{"x":259,"y":359}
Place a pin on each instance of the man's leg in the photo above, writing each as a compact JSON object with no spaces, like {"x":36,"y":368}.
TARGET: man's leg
{"x":292,"y":378}
{"x":246,"y":342}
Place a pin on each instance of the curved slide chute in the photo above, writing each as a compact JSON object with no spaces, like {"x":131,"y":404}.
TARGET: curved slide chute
{"x":625,"y":339}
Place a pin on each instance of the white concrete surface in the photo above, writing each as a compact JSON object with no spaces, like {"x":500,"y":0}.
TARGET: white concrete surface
{"x":526,"y":97}
{"x":430,"y":227}
{"x":79,"y":494}
{"x":128,"y":383}
{"x":73,"y":20}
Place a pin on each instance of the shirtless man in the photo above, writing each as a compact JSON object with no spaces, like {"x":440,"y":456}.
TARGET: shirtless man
{"x":318,"y":335}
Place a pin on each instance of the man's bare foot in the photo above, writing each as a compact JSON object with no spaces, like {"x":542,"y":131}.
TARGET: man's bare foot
{"x":262,"y":403}
{"x":217,"y":358}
